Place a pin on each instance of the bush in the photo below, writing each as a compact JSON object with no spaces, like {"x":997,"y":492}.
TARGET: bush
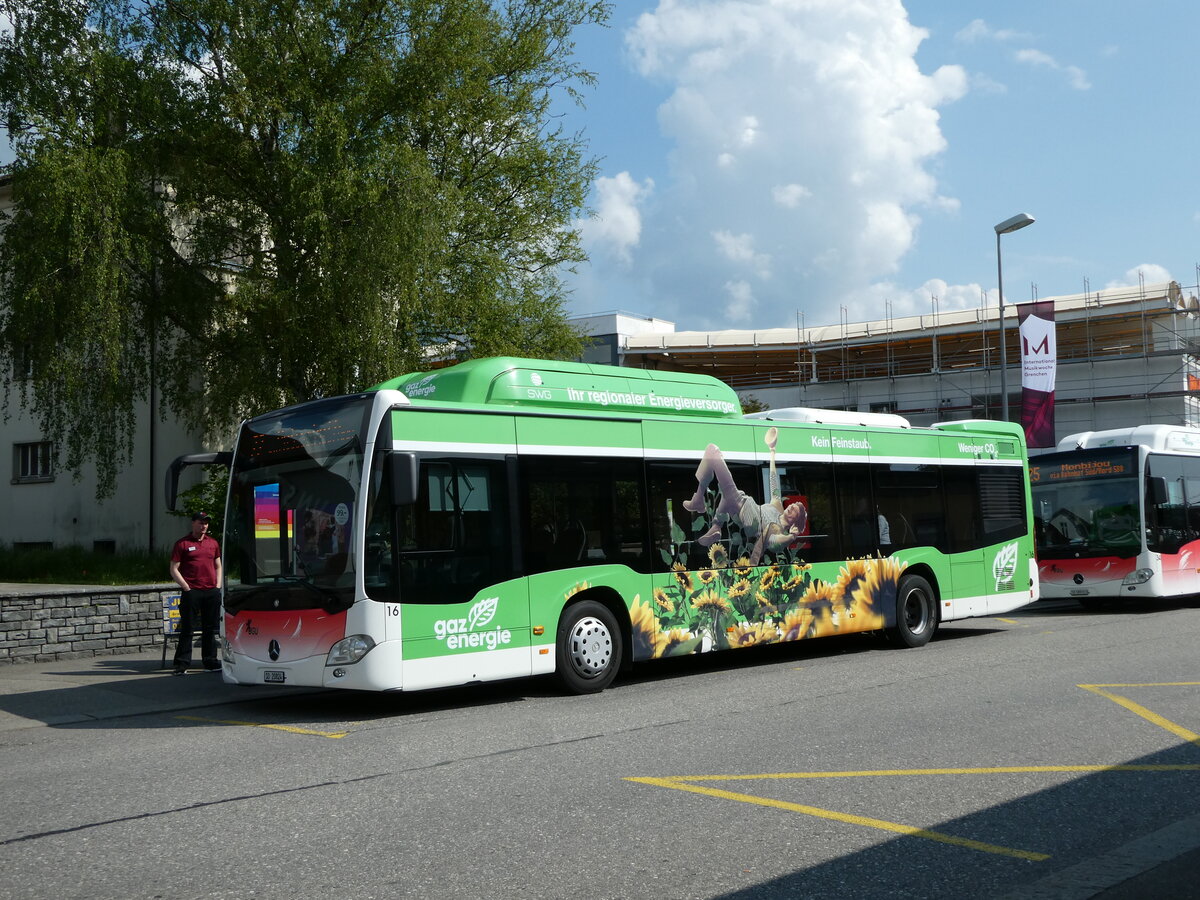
{"x":75,"y":565}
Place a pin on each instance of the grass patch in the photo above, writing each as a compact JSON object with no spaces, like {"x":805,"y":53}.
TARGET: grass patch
{"x":75,"y":565}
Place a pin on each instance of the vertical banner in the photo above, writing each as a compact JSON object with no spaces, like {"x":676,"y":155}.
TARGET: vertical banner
{"x":1039,"y":361}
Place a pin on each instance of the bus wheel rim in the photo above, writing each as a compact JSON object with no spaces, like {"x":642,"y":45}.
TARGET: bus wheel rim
{"x":591,"y":647}
{"x":916,"y":612}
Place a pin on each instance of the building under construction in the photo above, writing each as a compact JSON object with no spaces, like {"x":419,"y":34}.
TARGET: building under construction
{"x":1126,"y":356}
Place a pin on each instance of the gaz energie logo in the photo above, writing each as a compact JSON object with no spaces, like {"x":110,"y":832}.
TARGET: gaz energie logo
{"x":462,"y":634}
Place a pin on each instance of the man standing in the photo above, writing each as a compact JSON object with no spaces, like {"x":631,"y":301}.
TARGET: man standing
{"x":196,"y":568}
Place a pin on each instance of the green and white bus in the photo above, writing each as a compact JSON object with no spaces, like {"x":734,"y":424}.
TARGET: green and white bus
{"x":505,"y":518}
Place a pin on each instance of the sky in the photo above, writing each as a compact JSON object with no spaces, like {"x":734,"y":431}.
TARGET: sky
{"x":769,"y":163}
{"x":775,"y":163}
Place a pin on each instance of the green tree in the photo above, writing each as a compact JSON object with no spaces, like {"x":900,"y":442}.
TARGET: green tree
{"x":751,"y":404}
{"x":254,"y":203}
{"x":206,"y":496}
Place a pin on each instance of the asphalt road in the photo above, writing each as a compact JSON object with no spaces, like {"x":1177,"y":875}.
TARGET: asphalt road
{"x":1049,"y":753}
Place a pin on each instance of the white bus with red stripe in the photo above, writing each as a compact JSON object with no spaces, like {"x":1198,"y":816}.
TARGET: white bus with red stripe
{"x":1117,"y":515}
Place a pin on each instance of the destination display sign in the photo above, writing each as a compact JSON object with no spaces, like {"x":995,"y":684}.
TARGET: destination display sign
{"x":1095,"y":464}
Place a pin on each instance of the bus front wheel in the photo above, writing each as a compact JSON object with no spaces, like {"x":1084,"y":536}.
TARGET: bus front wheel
{"x":916,"y":613}
{"x":589,"y":648}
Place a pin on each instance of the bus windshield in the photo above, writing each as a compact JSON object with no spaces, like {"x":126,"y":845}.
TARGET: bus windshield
{"x":1086,"y":503}
{"x":292,"y":498}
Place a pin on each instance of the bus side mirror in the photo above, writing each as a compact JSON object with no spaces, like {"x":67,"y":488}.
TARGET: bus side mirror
{"x":1156,"y":490}
{"x":403,"y":472}
{"x":171,"y":487}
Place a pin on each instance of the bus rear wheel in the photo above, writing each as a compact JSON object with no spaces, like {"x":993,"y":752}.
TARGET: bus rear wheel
{"x":589,"y":648}
{"x":916,"y":613}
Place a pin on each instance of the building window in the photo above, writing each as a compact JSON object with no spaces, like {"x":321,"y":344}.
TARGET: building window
{"x":22,"y":363}
{"x":32,"y":546}
{"x":33,"y":462}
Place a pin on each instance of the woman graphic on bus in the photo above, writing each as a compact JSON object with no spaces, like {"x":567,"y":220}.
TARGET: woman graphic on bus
{"x":773,"y":525}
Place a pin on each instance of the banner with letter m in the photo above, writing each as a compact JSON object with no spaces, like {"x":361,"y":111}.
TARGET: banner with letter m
{"x":1039,"y":361}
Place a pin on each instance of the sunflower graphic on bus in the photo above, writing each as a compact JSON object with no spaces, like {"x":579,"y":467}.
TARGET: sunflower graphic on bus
{"x":743,"y":605}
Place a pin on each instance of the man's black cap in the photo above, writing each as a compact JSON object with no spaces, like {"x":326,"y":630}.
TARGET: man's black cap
{"x":200,"y":517}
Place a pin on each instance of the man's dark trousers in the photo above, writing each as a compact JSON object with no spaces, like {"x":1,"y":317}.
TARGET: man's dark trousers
{"x":205,"y":606}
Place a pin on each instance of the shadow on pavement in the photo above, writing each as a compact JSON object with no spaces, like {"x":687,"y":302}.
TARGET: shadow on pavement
{"x":82,"y":693}
{"x":1124,"y":832}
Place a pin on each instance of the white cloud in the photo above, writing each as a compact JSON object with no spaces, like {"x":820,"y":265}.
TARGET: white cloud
{"x":1078,"y":78}
{"x":740,"y":301}
{"x":617,"y":225}
{"x":879,"y":300}
{"x":985,"y":84}
{"x":804,"y":123}
{"x":1036,"y":58}
{"x":790,"y":195}
{"x":749,"y":131}
{"x":979,"y":30}
{"x":976,"y":30}
{"x":947,"y":204}
{"x":1151,"y":273}
{"x":739,"y":248}
{"x":1075,"y":75}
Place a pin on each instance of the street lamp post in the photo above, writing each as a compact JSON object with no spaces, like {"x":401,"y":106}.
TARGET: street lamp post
{"x":1020,"y":220}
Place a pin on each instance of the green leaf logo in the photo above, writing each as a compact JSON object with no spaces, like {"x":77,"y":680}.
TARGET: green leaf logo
{"x":482,"y":612}
{"x":1005,"y":567}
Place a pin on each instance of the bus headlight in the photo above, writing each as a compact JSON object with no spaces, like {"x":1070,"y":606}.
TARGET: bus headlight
{"x":226,"y":649}
{"x":349,"y":650}
{"x":1138,"y":576}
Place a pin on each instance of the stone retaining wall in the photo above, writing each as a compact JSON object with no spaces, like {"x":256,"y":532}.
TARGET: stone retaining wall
{"x":40,"y":624}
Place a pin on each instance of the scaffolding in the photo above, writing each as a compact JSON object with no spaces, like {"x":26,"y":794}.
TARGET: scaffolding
{"x":1114,"y":346}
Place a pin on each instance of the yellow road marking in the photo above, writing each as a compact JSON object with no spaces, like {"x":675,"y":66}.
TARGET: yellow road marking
{"x":989,"y":770}
{"x":680,"y":784}
{"x":688,"y":783}
{"x":1147,"y":684}
{"x":1137,"y":709}
{"x":288,"y":728}
{"x":1009,"y":621}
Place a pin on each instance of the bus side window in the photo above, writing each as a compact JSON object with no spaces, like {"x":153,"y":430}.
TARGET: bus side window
{"x":693,"y":537}
{"x":1191,"y":493}
{"x":908,"y":496}
{"x":962,"y":509}
{"x":1170,"y":517}
{"x":581,"y":512}
{"x":1002,"y":503}
{"x":812,"y":484}
{"x":859,"y":520}
{"x":454,"y":540}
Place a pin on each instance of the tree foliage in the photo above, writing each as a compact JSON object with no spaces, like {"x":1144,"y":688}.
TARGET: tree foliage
{"x":254,"y":203}
{"x":751,"y":404}
{"x":206,"y":496}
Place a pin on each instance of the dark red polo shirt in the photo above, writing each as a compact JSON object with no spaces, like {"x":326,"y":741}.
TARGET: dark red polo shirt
{"x":197,"y":561}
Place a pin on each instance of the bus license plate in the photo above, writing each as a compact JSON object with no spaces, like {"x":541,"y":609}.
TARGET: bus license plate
{"x":272,"y":677}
